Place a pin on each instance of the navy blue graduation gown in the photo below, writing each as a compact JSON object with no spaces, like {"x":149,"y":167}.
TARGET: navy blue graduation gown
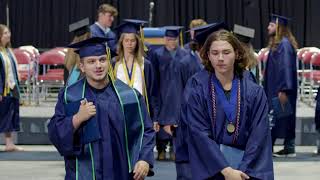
{"x":206,"y":159}
{"x":183,"y":70}
{"x":9,"y":106}
{"x":167,"y":97}
{"x":281,"y":76}
{"x":150,"y":51}
{"x":109,"y":152}
{"x":187,"y":47}
{"x":96,"y":31}
{"x":163,"y":63}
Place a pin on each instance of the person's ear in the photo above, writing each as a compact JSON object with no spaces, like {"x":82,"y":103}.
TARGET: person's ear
{"x":81,"y":66}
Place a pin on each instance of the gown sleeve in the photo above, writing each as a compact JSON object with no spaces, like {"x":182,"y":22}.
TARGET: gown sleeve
{"x":206,"y":159}
{"x":146,"y":152}
{"x":61,"y":130}
{"x":257,"y":160}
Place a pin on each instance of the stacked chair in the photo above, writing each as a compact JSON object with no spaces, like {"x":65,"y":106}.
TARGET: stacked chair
{"x":27,"y":59}
{"x":51,"y":79}
{"x":308,"y":73}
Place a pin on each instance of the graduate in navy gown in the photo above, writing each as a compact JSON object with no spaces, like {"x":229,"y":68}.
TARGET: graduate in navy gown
{"x":182,"y":71}
{"x":132,"y":67}
{"x":227,"y":116}
{"x":162,"y":60}
{"x":280,"y":82}
{"x":9,"y":90}
{"x":102,"y":27}
{"x":193,"y":24}
{"x":101,"y":126}
{"x":81,"y":31}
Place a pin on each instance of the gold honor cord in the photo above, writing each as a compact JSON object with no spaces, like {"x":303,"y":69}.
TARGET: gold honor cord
{"x":110,"y":69}
{"x":145,"y":93}
{"x":142,"y":39}
{"x":277,"y":28}
{"x":6,"y":64}
{"x":181,"y":39}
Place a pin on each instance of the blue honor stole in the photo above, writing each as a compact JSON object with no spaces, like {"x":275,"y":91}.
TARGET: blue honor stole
{"x":89,"y":131}
{"x":73,"y":76}
{"x":230,"y":107}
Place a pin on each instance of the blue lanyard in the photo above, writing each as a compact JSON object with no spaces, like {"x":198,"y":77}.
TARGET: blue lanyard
{"x":129,"y":72}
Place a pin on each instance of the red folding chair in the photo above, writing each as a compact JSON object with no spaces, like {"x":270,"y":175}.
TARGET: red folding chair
{"x":25,"y":71}
{"x":52,"y":77}
{"x":307,"y":73}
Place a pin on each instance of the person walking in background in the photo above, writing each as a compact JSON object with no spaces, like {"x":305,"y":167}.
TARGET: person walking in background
{"x":193,"y":24}
{"x":133,"y":68}
{"x":81,"y":32}
{"x":245,"y":34}
{"x":9,"y":90}
{"x":280,"y":83}
{"x":102,"y":27}
{"x":163,"y":60}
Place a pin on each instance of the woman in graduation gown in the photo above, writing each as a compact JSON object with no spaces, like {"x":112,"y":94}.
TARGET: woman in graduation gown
{"x":131,"y":66}
{"x":101,"y":126}
{"x":228,"y":128}
{"x":9,"y":90}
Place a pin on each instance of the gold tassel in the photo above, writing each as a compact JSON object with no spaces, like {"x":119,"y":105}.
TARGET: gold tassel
{"x":142,"y":39}
{"x":6,"y":85}
{"x":110,"y":68}
{"x":181,"y":39}
{"x":277,"y":28}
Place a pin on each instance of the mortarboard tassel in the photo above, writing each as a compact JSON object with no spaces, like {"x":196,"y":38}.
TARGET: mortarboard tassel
{"x":142,"y":39}
{"x":181,"y":39}
{"x":110,"y":69}
{"x":277,"y":28}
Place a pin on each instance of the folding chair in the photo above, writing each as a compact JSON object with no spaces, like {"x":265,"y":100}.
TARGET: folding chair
{"x":52,"y":78}
{"x":25,"y":72}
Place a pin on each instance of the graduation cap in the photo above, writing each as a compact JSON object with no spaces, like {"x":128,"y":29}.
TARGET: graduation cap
{"x":80,"y":27}
{"x":172,"y":31}
{"x":200,"y":29}
{"x":279,"y":19}
{"x":244,"y":34}
{"x":202,"y":36}
{"x":94,"y":46}
{"x":130,"y":26}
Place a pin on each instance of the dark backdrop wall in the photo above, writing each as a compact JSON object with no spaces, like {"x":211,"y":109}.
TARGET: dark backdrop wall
{"x":44,"y":23}
{"x":3,"y":15}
